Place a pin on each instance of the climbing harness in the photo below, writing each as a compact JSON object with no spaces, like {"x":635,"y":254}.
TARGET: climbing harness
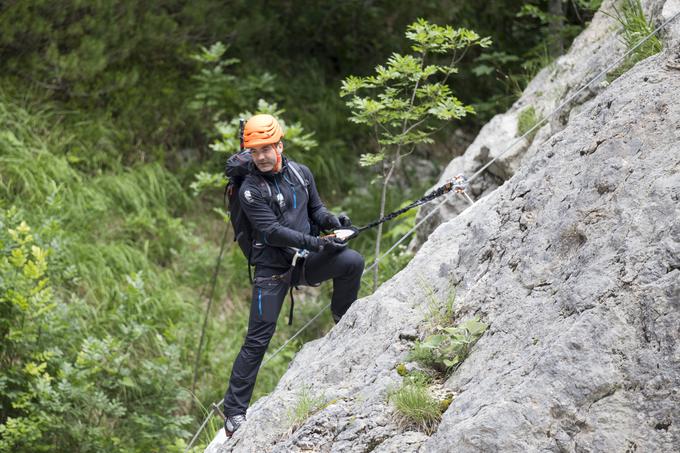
{"x":287,"y":277}
{"x":215,"y":408}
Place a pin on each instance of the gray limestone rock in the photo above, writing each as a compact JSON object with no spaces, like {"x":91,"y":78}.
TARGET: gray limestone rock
{"x":580,"y":285}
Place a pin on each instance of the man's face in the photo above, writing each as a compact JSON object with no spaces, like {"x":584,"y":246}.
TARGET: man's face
{"x":265,"y":156}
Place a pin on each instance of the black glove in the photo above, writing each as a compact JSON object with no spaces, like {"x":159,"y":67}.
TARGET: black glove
{"x":328,"y":244}
{"x":344,"y":220}
{"x":332,"y":223}
{"x":341,"y":221}
{"x":332,"y":245}
{"x":313,"y":243}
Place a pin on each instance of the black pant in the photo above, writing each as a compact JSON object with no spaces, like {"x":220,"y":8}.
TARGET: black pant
{"x":345,"y":268}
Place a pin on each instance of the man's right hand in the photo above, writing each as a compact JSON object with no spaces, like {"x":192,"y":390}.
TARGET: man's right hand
{"x":328,"y":244}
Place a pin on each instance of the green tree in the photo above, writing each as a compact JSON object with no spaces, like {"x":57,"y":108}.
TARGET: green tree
{"x":408,"y":99}
{"x":217,"y":92}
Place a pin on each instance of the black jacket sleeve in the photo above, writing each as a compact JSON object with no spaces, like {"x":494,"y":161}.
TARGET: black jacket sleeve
{"x":316,"y":209}
{"x":263,"y":219}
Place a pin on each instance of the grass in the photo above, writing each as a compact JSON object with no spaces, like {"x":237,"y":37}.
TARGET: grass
{"x":306,"y":406}
{"x":415,"y":407}
{"x":635,"y":27}
{"x":527,"y":119}
{"x":439,"y":309}
{"x":209,"y":432}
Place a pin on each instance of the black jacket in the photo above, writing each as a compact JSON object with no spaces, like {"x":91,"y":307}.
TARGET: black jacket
{"x":282,"y":220}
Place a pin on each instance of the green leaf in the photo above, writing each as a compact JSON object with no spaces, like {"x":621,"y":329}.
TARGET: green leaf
{"x":212,"y":54}
{"x":35,"y":369}
{"x":433,"y":341}
{"x":352,"y":84}
{"x":482,"y":70}
{"x":475,"y":327}
{"x":17,"y":258}
{"x":206,"y":181}
{"x":369,"y":159}
{"x":222,"y":213}
{"x":450,"y":363}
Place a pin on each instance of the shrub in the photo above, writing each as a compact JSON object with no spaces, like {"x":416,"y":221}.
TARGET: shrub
{"x":90,"y":320}
{"x":408,"y":100}
{"x":450,"y":346}
{"x":26,"y":302}
{"x":73,"y":378}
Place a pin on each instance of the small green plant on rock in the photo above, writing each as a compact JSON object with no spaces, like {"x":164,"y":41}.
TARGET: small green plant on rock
{"x":415,"y":402}
{"x":635,"y":28}
{"x":445,"y":403}
{"x":526,"y":120}
{"x":307,"y":405}
{"x":448,"y":347}
{"x":418,"y":377}
{"x":416,"y":408}
{"x":439,"y":309}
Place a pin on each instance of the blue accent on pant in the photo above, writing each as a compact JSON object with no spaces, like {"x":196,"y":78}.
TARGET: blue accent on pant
{"x":345,"y":268}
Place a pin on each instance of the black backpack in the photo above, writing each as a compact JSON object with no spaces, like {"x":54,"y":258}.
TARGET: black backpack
{"x":237,"y":168}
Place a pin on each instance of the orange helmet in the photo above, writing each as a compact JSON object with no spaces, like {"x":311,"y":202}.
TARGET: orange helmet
{"x":261,"y":130}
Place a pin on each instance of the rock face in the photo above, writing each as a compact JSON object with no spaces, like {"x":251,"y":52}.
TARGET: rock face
{"x":574,"y":262}
{"x":597,"y":47}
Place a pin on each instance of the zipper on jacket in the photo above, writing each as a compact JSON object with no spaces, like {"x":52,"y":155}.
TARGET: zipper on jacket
{"x":292,"y":187}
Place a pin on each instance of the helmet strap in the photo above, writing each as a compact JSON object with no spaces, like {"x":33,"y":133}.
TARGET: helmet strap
{"x":279,"y":160}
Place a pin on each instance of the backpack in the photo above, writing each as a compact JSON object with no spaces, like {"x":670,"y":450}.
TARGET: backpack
{"x":237,"y":168}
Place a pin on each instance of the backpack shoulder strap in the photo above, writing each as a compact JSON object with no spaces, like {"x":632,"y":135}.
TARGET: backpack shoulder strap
{"x":263,"y":184}
{"x":296,"y":171}
{"x":264,"y":187}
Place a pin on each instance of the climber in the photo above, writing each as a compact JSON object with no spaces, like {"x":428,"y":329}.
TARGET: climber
{"x":281,"y":203}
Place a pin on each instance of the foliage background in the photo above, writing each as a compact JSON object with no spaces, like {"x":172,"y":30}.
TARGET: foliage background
{"x":107,"y":113}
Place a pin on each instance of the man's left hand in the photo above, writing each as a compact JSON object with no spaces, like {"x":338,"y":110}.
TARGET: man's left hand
{"x":344,"y":220}
{"x":341,"y":221}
